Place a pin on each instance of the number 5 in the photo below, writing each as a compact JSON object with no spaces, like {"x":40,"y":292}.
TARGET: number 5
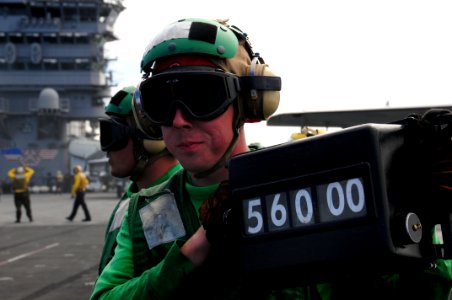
{"x":255,"y":211}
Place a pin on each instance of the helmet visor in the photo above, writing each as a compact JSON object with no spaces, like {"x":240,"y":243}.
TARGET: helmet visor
{"x":114,"y":135}
{"x":201,"y":95}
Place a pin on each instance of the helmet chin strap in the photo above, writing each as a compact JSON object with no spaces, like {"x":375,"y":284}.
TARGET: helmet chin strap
{"x":143,"y":159}
{"x":222,"y":161}
{"x":238,"y":122}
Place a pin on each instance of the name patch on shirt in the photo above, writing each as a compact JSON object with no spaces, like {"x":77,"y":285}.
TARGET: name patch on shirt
{"x":161,"y":221}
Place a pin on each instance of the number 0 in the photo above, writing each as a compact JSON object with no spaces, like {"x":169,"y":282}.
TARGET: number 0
{"x":335,"y":186}
{"x":360,"y":189}
{"x":304,"y":194}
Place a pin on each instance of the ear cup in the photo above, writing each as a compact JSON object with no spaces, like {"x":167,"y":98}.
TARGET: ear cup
{"x":154,"y":146}
{"x":260,"y":104}
{"x":270,"y":98}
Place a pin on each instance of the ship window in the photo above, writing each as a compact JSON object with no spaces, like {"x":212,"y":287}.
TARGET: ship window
{"x":17,"y":39}
{"x":67,"y":66}
{"x":49,"y":39}
{"x":84,"y":66}
{"x":15,"y":10}
{"x":37,"y":12}
{"x":33,"y":39}
{"x":66,"y":39}
{"x":88,"y":14}
{"x":32,"y":66}
{"x":51,"y":65}
{"x":54,"y":12}
{"x":83,"y":39}
{"x":18,"y":66}
{"x":70,"y":14}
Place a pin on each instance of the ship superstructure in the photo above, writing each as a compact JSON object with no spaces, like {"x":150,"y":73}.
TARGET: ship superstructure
{"x":54,"y":79}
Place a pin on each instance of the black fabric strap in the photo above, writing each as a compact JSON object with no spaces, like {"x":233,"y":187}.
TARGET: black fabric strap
{"x":272,"y":83}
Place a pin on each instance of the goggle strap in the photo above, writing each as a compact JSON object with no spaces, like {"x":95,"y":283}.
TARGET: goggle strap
{"x":264,"y":83}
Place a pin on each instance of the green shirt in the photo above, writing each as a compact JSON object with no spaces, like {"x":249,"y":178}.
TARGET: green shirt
{"x":117,"y":279}
{"x":170,"y":276}
{"x":118,"y":215}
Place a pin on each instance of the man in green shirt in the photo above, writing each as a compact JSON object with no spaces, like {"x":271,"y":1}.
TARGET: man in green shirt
{"x":142,"y":158}
{"x":197,"y":95}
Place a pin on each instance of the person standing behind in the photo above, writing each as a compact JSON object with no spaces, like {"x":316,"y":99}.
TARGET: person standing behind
{"x":20,"y":177}
{"x":132,"y":154}
{"x":78,"y":192}
{"x":59,"y":182}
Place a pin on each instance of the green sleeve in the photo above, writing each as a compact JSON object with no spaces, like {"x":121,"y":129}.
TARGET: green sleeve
{"x":110,"y":235}
{"x":168,"y":274}
{"x":117,"y":281}
{"x":441,"y":279}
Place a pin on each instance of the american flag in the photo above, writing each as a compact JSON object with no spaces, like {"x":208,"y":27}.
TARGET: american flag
{"x":11,"y":153}
{"x":48,"y":153}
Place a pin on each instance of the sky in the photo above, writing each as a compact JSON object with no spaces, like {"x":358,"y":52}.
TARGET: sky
{"x":330,"y":54}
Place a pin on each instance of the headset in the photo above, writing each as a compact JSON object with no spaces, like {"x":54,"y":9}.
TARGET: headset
{"x":260,"y":87}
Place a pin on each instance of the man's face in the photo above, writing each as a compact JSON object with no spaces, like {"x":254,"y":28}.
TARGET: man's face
{"x":122,"y":161}
{"x":198,"y":145}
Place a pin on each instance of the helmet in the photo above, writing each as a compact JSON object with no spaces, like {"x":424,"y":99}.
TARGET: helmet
{"x":191,"y":36}
{"x":121,"y":103}
{"x":20,"y":169}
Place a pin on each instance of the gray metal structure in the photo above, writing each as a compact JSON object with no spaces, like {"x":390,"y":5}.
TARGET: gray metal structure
{"x":347,"y":118}
{"x":54,"y":79}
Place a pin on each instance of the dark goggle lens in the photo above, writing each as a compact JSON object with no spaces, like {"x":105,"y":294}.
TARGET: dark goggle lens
{"x":201,"y":95}
{"x":113,"y":135}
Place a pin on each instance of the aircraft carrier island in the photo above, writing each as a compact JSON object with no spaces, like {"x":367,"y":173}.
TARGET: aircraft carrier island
{"x":54,"y":79}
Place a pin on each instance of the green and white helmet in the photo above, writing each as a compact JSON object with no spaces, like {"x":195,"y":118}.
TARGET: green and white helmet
{"x":120,"y":104}
{"x":197,"y":36}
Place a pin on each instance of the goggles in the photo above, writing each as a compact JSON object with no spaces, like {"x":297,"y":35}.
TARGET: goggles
{"x":114,"y":135}
{"x":200,"y":94}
